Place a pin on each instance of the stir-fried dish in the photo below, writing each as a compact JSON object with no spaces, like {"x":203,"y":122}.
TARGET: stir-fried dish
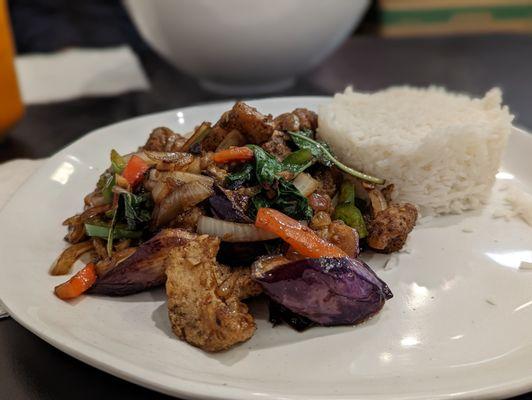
{"x":251,"y":205}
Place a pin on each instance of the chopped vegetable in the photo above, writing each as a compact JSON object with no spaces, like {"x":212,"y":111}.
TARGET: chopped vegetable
{"x":267,"y":167}
{"x":328,"y":291}
{"x":78,"y":284}
{"x":117,"y":162}
{"x":69,"y":256}
{"x":233,"y":154}
{"x":107,"y":187}
{"x":323,"y":154}
{"x":303,"y":239}
{"x":237,"y":179}
{"x":197,"y":137}
{"x":348,"y":212}
{"x":135,"y":169}
{"x":286,"y":197}
{"x":232,"y":231}
{"x":229,"y":205}
{"x":102,"y":231}
{"x":182,"y":198}
{"x":305,"y":183}
{"x":137,"y":210}
{"x":233,"y":138}
{"x":377,"y":201}
{"x":298,"y":161}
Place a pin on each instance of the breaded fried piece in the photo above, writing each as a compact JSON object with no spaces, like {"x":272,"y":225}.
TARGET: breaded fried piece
{"x":204,"y":297}
{"x":164,"y":139}
{"x":256,"y":127}
{"x":389,"y":228}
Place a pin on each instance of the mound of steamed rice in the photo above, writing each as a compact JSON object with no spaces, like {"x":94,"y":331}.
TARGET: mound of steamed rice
{"x":440,"y":149}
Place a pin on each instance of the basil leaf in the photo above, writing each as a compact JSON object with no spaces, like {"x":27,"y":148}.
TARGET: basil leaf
{"x":288,"y":200}
{"x":291,"y":202}
{"x":323,"y":153}
{"x":136,"y":209}
{"x":237,"y":179}
{"x":266,"y":166}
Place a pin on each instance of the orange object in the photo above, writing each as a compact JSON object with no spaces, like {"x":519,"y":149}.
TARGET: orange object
{"x":303,"y":239}
{"x":11,"y":108}
{"x":134,"y":170}
{"x":233,"y":154}
{"x":78,"y":284}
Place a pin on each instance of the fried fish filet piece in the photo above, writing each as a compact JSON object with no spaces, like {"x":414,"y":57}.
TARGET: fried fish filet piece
{"x":204,"y":297}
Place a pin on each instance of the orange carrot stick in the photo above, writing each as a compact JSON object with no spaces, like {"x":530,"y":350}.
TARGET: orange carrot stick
{"x":78,"y":284}
{"x":303,"y":239}
{"x":134,"y":170}
{"x":233,"y":154}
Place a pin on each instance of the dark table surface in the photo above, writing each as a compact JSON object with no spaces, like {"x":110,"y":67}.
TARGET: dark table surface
{"x":32,"y":369}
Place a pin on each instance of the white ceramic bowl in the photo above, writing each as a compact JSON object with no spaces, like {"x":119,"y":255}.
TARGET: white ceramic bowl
{"x":245,"y":46}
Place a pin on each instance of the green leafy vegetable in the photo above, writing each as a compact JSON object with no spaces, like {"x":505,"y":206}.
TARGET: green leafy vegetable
{"x":323,"y":154}
{"x":266,"y":166}
{"x":117,"y":162}
{"x":348,"y":212}
{"x":287,"y":199}
{"x":291,"y":201}
{"x":136,"y":209}
{"x":102,"y":231}
{"x":237,"y":179}
{"x":107,"y":187}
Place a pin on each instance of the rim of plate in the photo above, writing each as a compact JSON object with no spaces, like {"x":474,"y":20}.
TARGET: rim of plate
{"x":191,"y":389}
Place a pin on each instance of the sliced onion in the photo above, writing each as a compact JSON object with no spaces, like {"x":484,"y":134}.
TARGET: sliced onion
{"x":378,"y":202}
{"x":195,"y":166}
{"x":305,"y":184}
{"x":170,"y":157}
{"x":183,"y":197}
{"x":232,"y":231}
{"x":69,"y":256}
{"x":160,"y":190}
{"x":233,"y":138}
{"x":180,"y":176}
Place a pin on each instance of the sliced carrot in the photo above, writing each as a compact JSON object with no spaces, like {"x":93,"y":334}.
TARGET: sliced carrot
{"x":303,"y":239}
{"x":233,"y":154}
{"x":135,"y":169}
{"x":78,"y":284}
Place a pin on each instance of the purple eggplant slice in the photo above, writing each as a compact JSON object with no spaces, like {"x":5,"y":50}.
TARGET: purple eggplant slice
{"x":144,"y":269}
{"x":328,"y":291}
{"x":229,"y":205}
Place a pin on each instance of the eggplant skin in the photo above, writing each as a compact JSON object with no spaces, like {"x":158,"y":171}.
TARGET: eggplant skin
{"x":328,"y":291}
{"x":144,"y":269}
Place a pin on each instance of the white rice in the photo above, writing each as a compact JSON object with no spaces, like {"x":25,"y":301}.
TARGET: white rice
{"x":440,"y":149}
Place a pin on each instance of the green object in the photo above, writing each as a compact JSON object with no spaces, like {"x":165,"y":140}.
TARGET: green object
{"x":266,"y":166}
{"x":237,"y":179}
{"x":117,"y":162}
{"x":347,"y":193}
{"x":288,"y":200}
{"x":444,"y":15}
{"x":348,"y":212}
{"x":102,"y":231}
{"x":298,"y":161}
{"x":324,"y":155}
{"x":137,"y":209}
{"x":107,"y":189}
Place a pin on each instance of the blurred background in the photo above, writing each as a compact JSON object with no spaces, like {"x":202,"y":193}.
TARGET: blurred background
{"x":85,"y":64}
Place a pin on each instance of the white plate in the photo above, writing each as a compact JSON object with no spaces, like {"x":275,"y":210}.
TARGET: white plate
{"x":460,"y":324}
